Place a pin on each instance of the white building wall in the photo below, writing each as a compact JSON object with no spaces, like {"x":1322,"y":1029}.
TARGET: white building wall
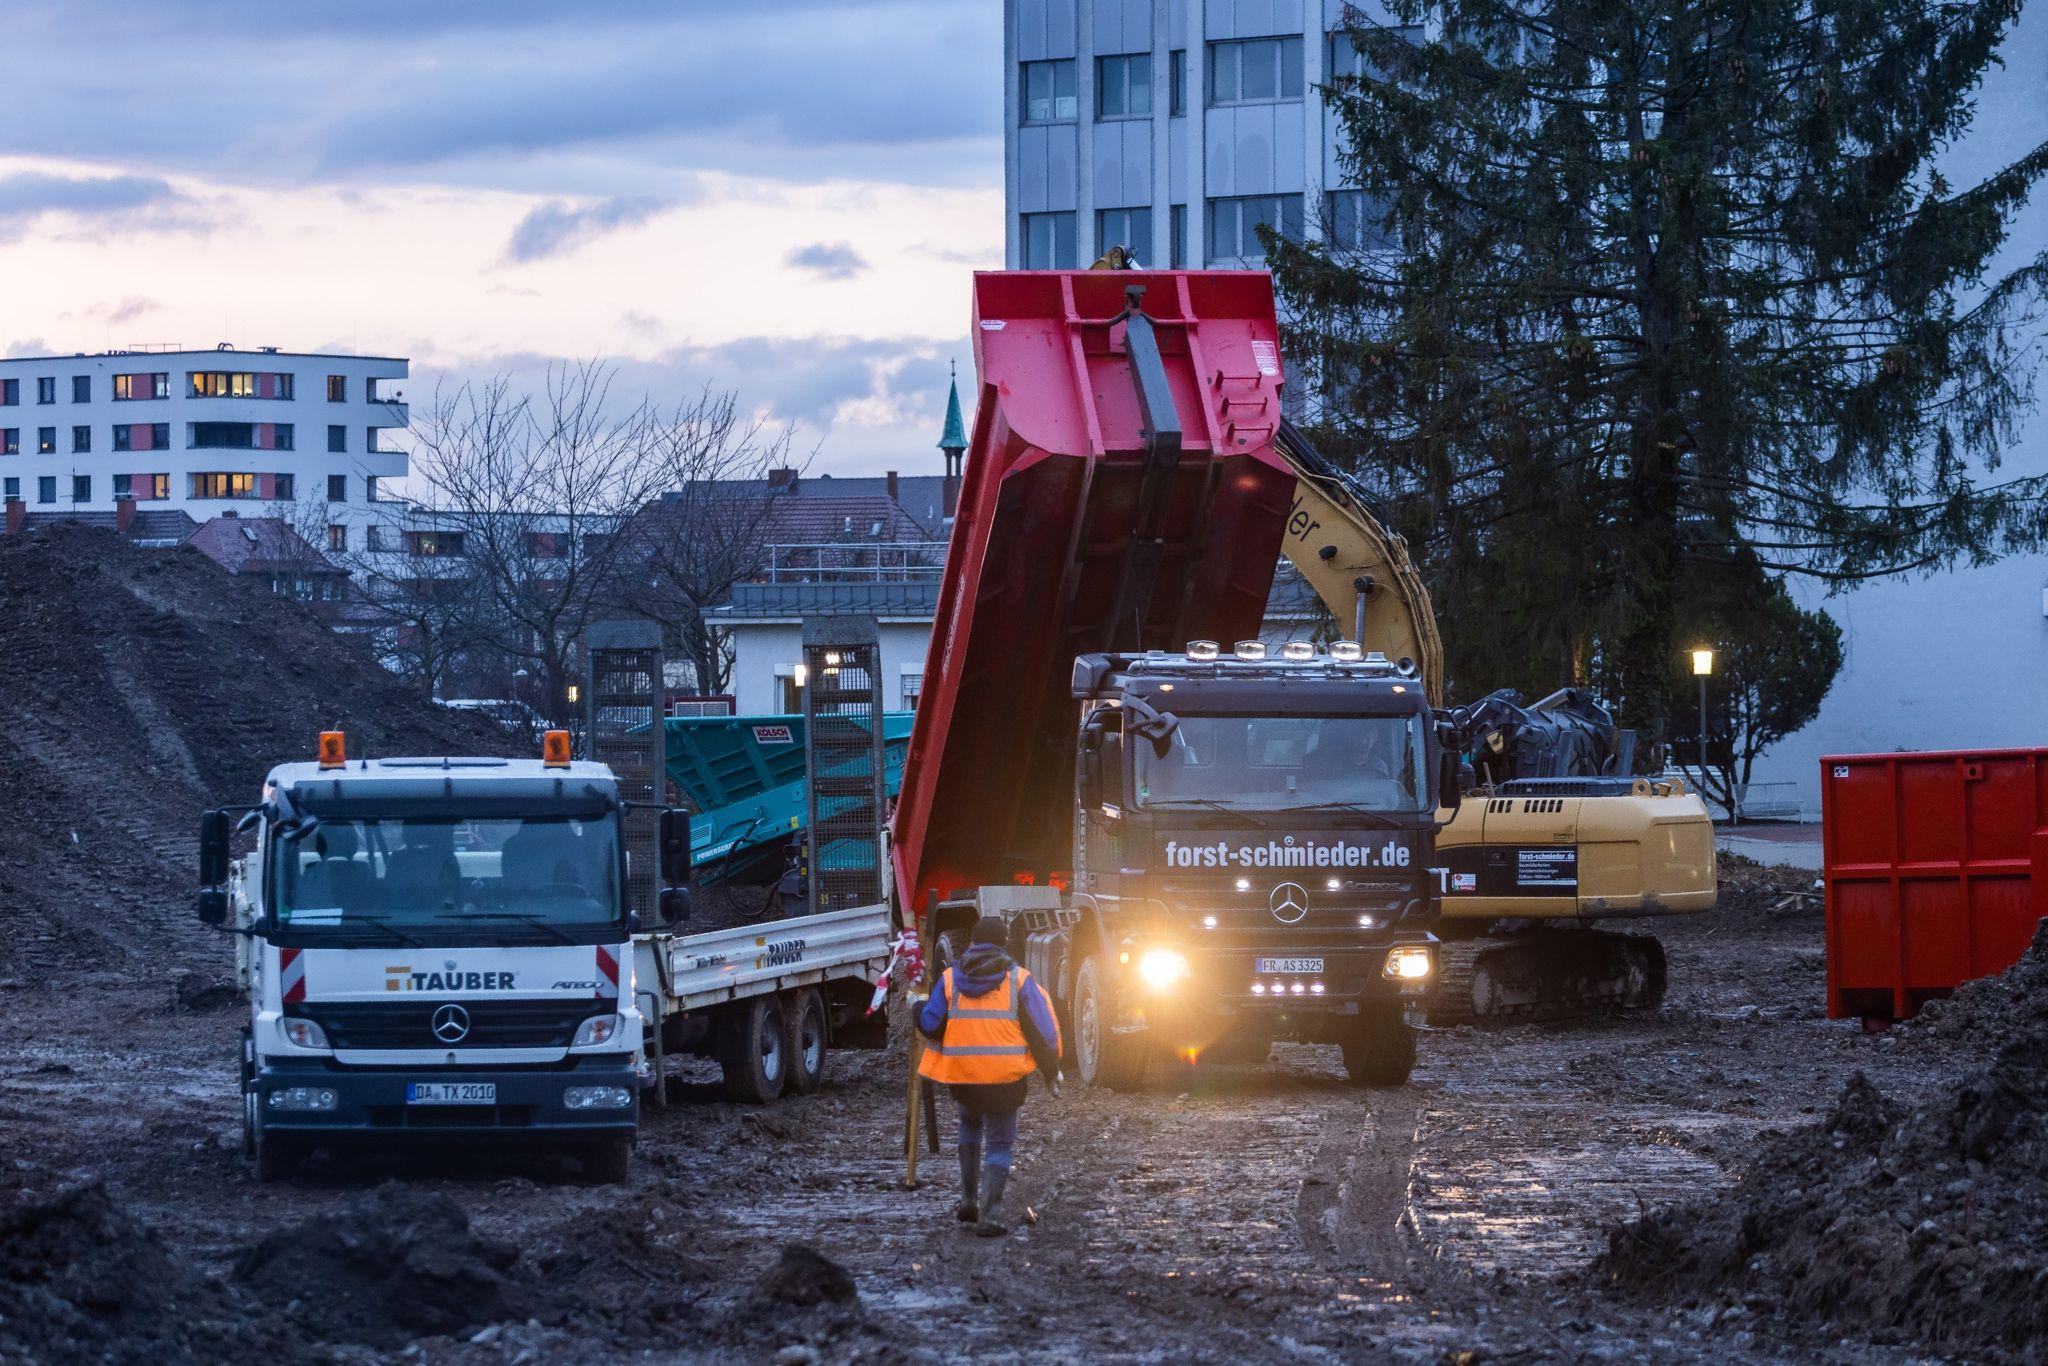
{"x":308,"y":412}
{"x":766,"y":652}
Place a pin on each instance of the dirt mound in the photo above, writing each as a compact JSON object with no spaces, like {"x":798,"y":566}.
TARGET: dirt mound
{"x":1751,"y":891}
{"x":136,"y":688}
{"x":1927,"y":1226}
{"x":1984,"y":1014}
{"x":804,"y":1276}
{"x":81,"y":1281}
{"x":396,"y":1265}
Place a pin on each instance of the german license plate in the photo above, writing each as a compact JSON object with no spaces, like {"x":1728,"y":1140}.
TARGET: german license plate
{"x":451,"y":1093}
{"x":1290,"y":965}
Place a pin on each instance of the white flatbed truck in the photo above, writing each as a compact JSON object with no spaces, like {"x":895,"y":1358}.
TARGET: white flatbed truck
{"x":436,"y":950}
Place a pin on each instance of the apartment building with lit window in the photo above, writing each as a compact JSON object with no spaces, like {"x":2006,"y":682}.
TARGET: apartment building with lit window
{"x":1175,"y":128}
{"x":204,"y":432}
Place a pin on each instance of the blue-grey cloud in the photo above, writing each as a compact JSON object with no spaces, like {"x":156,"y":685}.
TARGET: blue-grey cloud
{"x":28,"y":195}
{"x":829,"y":260}
{"x":567,"y":99}
{"x":556,"y":227}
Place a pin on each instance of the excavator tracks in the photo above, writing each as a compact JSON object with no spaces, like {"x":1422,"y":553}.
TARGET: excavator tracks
{"x":1546,"y":974}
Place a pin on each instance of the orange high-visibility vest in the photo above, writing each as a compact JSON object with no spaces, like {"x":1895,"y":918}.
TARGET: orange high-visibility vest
{"x":984,"y":1042}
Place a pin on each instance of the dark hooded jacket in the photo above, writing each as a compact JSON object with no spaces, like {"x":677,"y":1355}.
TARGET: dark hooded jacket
{"x":980,"y":971}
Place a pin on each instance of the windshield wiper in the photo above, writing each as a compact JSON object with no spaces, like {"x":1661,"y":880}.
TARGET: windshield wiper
{"x":521,"y":916}
{"x":1212,"y":804}
{"x":379,"y":922}
{"x":1378,"y":819}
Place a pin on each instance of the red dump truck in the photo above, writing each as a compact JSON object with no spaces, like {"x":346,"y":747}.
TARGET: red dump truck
{"x":1201,"y":845}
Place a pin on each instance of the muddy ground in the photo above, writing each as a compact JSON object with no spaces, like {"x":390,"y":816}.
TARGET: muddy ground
{"x":1268,"y":1212}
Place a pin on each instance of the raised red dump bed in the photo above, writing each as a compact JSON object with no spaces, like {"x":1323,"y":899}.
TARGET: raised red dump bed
{"x":1083,"y":526}
{"x":1936,"y":868}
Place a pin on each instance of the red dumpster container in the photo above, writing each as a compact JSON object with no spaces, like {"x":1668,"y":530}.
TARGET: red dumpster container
{"x":1936,"y":870}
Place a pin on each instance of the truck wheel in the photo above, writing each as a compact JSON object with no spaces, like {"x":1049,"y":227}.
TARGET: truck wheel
{"x":277,"y":1156}
{"x":755,"y":1055}
{"x":608,"y":1161}
{"x":1382,"y":1050}
{"x":1102,"y":1057}
{"x":807,"y":1035}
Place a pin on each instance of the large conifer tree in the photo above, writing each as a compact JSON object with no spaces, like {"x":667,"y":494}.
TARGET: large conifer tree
{"x":1658,"y":283}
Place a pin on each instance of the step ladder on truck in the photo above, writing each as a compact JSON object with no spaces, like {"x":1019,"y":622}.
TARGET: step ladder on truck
{"x":452,"y":950}
{"x":1198,"y":845}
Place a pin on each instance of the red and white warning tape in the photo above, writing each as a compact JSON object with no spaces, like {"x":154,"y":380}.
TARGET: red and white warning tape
{"x":904,"y":950}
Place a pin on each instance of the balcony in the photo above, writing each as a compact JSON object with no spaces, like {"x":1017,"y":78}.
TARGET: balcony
{"x":392,"y":409}
{"x":855,"y":562}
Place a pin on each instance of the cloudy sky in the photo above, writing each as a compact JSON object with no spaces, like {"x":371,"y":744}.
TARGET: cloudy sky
{"x":783,"y":197}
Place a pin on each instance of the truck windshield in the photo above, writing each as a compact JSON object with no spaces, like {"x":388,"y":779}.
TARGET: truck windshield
{"x":1284,"y":763}
{"x":423,"y":871}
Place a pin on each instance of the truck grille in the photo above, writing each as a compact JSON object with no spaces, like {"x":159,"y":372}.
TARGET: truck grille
{"x":409,"y":1024}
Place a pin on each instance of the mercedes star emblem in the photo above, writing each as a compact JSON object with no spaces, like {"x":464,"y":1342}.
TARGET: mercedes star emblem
{"x":1289,"y":902}
{"x":451,"y":1022}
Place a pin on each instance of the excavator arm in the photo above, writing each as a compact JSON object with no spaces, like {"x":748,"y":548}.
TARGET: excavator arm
{"x":1338,"y":538}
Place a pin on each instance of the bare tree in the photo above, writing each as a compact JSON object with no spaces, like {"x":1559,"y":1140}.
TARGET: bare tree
{"x":427,"y":608}
{"x":533,"y":492}
{"x":707,"y":530}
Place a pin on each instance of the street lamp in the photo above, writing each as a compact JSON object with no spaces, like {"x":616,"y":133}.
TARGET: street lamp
{"x":1702,"y":665}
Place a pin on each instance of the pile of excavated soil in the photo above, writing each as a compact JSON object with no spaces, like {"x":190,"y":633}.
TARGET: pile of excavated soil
{"x":138,"y":687}
{"x":81,"y":1281}
{"x":1752,"y":892}
{"x":1982,"y":1015}
{"x":1926,"y":1226}
{"x":396,"y":1265}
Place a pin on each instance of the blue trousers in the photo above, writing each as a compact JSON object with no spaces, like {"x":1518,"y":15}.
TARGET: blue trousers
{"x":995,"y":1134}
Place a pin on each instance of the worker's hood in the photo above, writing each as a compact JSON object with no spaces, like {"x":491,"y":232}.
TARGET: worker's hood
{"x":981,"y":970}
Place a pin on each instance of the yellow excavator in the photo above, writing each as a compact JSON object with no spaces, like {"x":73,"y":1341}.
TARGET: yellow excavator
{"x":1554,"y":836}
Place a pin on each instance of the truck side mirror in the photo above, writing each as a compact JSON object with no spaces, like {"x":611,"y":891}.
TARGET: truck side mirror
{"x":1091,"y":768}
{"x":675,"y":845}
{"x":213,"y":851}
{"x":213,"y":906}
{"x":1450,"y":790}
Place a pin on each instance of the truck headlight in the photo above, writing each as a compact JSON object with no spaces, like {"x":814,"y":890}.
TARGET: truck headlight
{"x":303,"y":1033}
{"x":596,"y":1098}
{"x":597,"y":1029}
{"x":1410,"y":962}
{"x":1161,"y":968}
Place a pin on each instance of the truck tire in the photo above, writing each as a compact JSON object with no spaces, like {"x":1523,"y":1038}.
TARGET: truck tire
{"x":1381,"y":1052}
{"x":808,"y":1033}
{"x":1101,"y":1057}
{"x":608,"y":1161}
{"x":248,"y":1095}
{"x":277,"y":1156}
{"x":755,"y":1051}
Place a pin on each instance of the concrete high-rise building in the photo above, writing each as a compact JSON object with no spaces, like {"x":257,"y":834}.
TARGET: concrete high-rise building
{"x":204,"y":432}
{"x":1173,"y":127}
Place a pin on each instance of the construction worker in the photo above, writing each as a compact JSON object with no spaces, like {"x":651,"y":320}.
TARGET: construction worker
{"x":988,"y":1027}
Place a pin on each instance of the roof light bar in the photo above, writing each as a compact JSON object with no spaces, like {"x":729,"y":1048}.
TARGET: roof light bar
{"x":1346,"y":651}
{"x":1251,"y":649}
{"x":1299,"y":650}
{"x":1202,"y":651}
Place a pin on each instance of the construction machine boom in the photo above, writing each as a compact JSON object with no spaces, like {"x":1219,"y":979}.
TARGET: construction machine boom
{"x":1553,"y":833}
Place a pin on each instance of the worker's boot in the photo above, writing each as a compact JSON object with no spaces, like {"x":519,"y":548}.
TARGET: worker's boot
{"x":970,"y":1167}
{"x":990,"y":1225}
